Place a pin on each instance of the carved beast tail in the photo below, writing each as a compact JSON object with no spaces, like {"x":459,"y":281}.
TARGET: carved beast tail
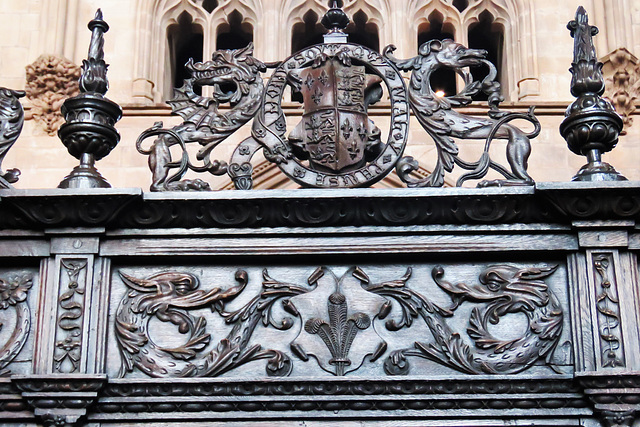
{"x":481,"y":167}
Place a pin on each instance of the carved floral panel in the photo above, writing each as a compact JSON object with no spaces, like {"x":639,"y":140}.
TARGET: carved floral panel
{"x":17,"y":301}
{"x":366,"y":320}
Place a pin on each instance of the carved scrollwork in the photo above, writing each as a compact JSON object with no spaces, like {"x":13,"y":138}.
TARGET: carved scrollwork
{"x":608,"y":308}
{"x":168,"y":297}
{"x":68,"y":344}
{"x":13,"y":297}
{"x":504,"y":289}
{"x":336,"y":317}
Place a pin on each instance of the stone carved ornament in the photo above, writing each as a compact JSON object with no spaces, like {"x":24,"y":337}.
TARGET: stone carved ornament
{"x":50,"y":81}
{"x":337,"y":317}
{"x":622,"y":75}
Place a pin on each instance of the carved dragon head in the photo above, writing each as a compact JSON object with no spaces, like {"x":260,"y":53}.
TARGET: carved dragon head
{"x":236,"y":66}
{"x":523,"y":287}
{"x":511,"y":289}
{"x":447,"y":53}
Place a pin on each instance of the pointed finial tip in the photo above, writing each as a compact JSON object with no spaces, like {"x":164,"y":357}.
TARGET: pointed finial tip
{"x":98,"y":22}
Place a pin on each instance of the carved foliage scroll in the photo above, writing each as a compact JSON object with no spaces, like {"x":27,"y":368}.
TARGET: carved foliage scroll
{"x":608,"y":311}
{"x":13,"y":305}
{"x":68,"y":342}
{"x":336,"y":317}
{"x":51,"y":80}
{"x":622,"y":75}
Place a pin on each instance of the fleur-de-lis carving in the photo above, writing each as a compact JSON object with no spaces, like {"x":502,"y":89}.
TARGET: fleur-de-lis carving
{"x":346,"y":128}
{"x":317,"y":96}
{"x":309,"y":81}
{"x":339,"y":333}
{"x":323,"y":78}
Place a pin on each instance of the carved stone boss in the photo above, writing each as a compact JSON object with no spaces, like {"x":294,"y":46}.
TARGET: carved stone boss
{"x":337,"y":320}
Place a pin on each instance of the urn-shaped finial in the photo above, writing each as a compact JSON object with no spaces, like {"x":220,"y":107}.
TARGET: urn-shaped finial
{"x":89,"y":133}
{"x":591,"y":125}
{"x":335,"y":21}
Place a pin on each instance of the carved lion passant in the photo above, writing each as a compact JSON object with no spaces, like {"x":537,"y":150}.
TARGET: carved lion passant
{"x":443,"y":124}
{"x":203,"y":122}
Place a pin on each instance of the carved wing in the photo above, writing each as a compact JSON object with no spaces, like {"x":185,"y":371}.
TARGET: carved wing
{"x":193,"y":108}
{"x":11,"y":120}
{"x":431,"y":115}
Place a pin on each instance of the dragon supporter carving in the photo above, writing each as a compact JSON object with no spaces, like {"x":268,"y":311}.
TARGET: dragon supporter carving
{"x":203,"y":122}
{"x":337,"y":323}
{"x":337,"y":144}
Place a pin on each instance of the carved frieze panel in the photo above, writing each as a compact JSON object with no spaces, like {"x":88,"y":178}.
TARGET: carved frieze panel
{"x":608,"y":327}
{"x":15,"y":316}
{"x":366,"y":320}
{"x":50,"y":80}
{"x":75,"y":274}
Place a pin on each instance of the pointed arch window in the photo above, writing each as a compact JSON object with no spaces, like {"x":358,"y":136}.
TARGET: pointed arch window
{"x":362,"y":31}
{"x":176,"y":30}
{"x":185,"y":40}
{"x":306,"y":33}
{"x":234,"y":34}
{"x":488,"y":35}
{"x":444,"y":79}
{"x":504,"y":28}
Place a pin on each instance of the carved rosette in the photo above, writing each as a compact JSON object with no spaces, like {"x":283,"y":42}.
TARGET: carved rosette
{"x":50,"y":80}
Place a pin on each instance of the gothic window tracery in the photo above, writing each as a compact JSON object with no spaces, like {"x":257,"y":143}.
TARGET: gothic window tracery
{"x":505,"y":28}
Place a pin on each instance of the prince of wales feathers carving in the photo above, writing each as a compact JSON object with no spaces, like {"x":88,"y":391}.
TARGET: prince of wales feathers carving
{"x":351,"y":305}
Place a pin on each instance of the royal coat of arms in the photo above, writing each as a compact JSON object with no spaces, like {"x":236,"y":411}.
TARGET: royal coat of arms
{"x":335,"y":133}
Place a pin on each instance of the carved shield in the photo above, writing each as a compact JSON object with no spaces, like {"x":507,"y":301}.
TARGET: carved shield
{"x":335,"y":127}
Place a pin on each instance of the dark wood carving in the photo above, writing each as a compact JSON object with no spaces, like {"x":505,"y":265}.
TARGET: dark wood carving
{"x":71,"y":303}
{"x":13,"y":304}
{"x":506,"y":289}
{"x":168,"y":297}
{"x":608,"y":308}
{"x":337,"y":316}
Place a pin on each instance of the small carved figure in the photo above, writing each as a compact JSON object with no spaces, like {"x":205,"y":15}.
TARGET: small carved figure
{"x":203,"y":122}
{"x":443,"y":124}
